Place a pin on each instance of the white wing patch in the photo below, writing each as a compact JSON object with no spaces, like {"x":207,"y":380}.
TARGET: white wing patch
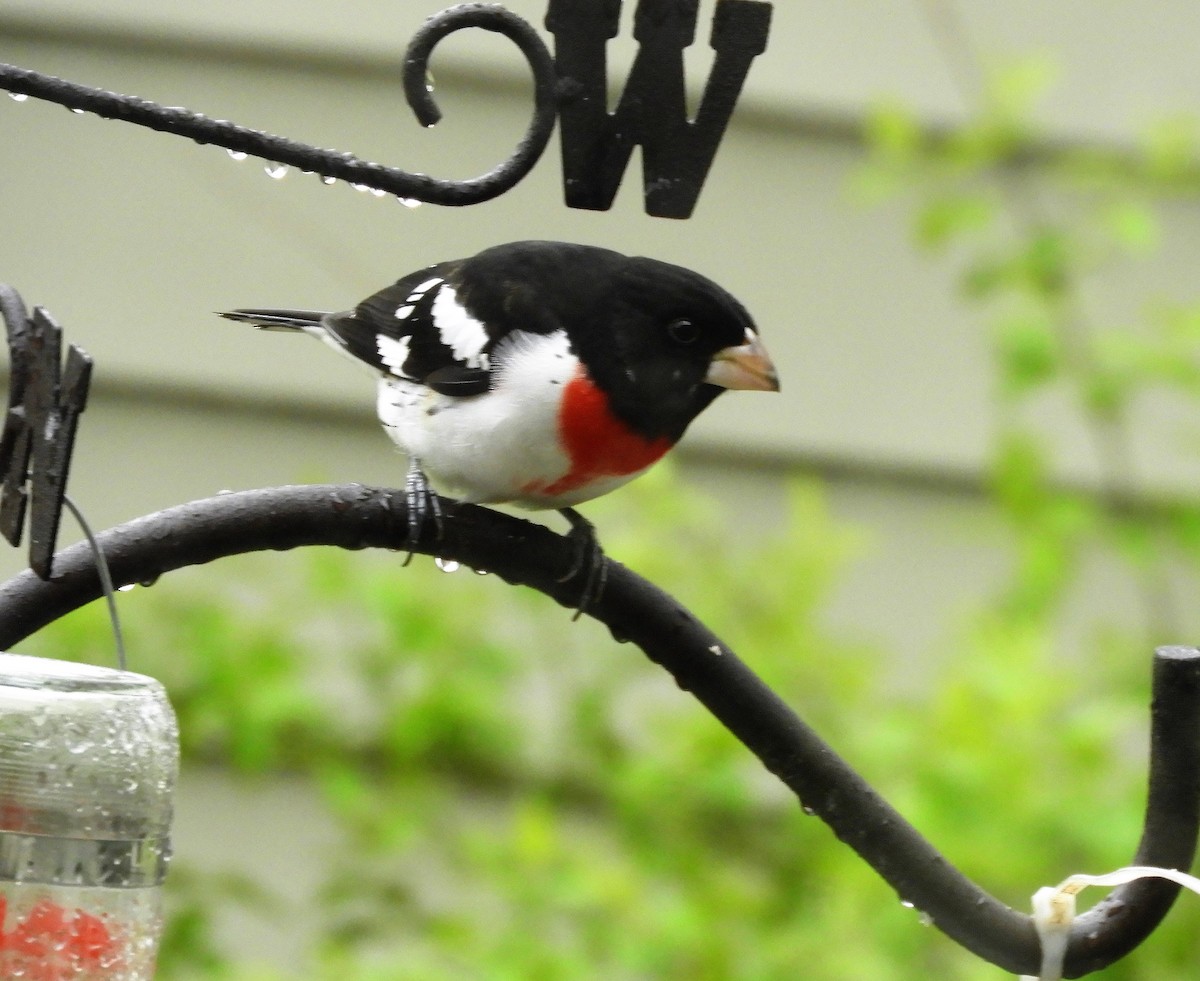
{"x":393,"y":351}
{"x":410,"y":302}
{"x":422,"y":288}
{"x":459,"y":331}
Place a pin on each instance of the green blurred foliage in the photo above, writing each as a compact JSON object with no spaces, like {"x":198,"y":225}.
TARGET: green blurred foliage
{"x":1029,"y":224}
{"x":516,"y":796}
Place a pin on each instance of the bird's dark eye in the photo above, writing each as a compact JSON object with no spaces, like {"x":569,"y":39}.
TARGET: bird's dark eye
{"x":683,"y":331}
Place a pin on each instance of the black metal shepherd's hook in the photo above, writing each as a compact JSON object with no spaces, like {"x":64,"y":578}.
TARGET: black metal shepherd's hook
{"x":520,"y":552}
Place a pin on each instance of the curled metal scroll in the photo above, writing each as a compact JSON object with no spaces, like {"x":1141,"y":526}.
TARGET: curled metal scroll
{"x":332,"y":163}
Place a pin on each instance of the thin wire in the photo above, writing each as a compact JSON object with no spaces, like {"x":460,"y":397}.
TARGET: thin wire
{"x":106,"y":583}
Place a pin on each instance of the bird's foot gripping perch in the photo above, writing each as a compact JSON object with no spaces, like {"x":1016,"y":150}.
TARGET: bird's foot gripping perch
{"x":589,"y":560}
{"x":422,"y":506}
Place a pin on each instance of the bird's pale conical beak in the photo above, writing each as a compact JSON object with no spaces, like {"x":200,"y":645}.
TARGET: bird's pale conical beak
{"x":745,"y":366}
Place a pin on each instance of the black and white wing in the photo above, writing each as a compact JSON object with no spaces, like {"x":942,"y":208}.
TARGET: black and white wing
{"x":418,"y":330}
{"x":415,"y":330}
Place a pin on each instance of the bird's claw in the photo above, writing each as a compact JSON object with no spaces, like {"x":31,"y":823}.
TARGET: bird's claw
{"x":422,"y":505}
{"x":589,"y":560}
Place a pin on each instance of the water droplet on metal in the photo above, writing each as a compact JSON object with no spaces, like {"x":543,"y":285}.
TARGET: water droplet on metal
{"x":237,"y":154}
{"x":78,"y":112}
{"x":126,"y":588}
{"x":328,"y":180}
{"x":276,"y":171}
{"x":18,"y":96}
{"x":480,"y":572}
{"x":447,"y":565}
{"x":409,"y":202}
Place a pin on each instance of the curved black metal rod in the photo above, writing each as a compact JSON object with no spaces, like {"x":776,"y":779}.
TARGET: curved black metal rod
{"x":352,"y":516}
{"x":331,"y":163}
{"x":1129,"y":914}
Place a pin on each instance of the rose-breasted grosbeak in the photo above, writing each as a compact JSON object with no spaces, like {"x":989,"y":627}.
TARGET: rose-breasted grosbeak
{"x":540,"y":373}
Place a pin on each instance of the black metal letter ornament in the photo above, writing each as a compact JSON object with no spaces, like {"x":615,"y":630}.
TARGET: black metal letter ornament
{"x":596,"y":145}
{"x":44,"y":403}
{"x":652,"y":112}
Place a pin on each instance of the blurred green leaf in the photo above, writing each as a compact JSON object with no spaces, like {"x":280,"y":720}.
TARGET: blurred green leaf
{"x":1004,"y":126}
{"x":1180,"y":322}
{"x":1015,"y":87}
{"x":1028,"y":352}
{"x":948,"y":217}
{"x":985,"y":276}
{"x":1183,"y":520}
{"x":1047,"y":262}
{"x":893,"y":132}
{"x":1172,"y":148}
{"x":1133,"y":226}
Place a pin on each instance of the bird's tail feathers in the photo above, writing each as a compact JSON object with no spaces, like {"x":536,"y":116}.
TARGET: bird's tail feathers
{"x":277,"y":319}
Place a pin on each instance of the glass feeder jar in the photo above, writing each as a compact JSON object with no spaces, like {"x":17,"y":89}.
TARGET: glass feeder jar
{"x":89,"y":759}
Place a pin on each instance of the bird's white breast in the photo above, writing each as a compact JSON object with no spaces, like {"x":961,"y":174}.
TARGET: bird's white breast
{"x":486,"y":448}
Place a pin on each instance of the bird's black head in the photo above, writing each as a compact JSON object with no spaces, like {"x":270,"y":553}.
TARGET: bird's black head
{"x":660,"y":340}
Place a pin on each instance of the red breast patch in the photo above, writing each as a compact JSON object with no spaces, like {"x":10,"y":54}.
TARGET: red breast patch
{"x":597,"y":443}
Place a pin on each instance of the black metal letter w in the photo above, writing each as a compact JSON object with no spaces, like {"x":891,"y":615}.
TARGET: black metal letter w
{"x":652,"y":112}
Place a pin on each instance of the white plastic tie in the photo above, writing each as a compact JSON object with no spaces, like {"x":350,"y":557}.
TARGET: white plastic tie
{"x":1054,"y":909}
